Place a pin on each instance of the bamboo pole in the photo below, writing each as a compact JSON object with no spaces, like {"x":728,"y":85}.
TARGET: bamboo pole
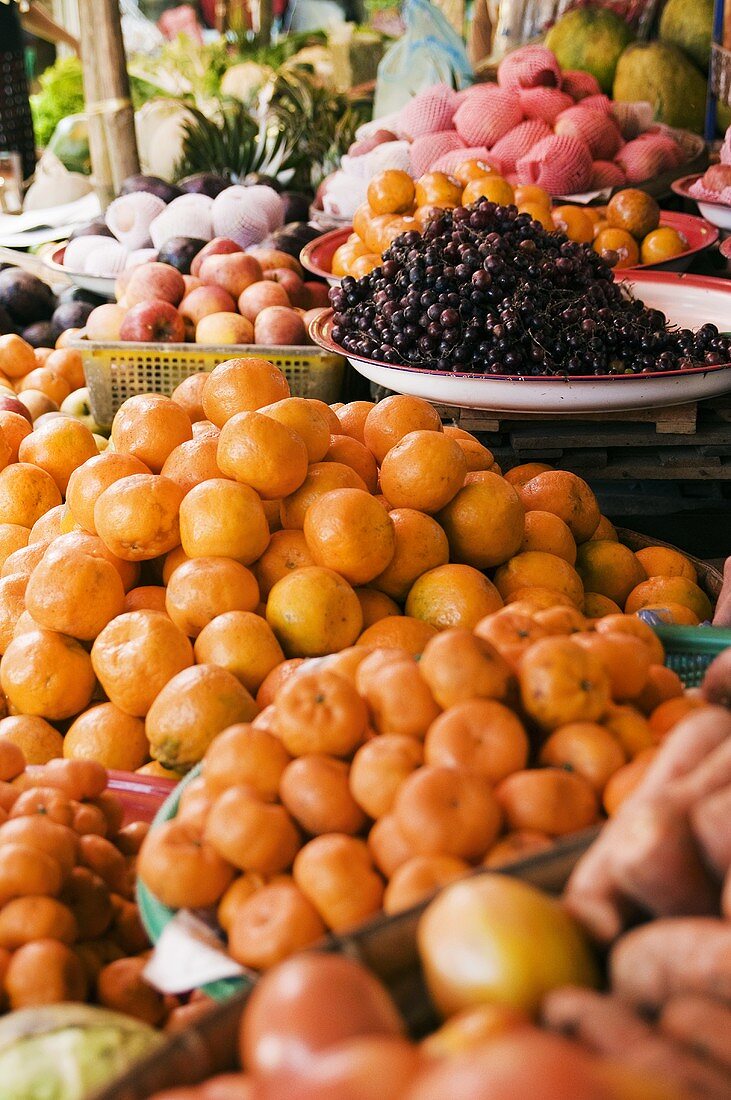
{"x":112,"y":139}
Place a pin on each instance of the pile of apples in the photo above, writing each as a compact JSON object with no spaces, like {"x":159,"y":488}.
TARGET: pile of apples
{"x":230,"y":297}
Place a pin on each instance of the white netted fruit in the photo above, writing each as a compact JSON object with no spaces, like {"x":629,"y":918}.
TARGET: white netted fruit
{"x":393,"y":154}
{"x":77,"y":250}
{"x":108,"y":259}
{"x":140,"y":256}
{"x":237,"y":203}
{"x":130,"y":216}
{"x":186,"y":216}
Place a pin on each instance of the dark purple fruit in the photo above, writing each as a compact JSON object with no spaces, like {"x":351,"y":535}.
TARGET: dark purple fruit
{"x":25,"y":297}
{"x":204,"y":183}
{"x":80,"y":294}
{"x":180,"y":252}
{"x":260,"y":179}
{"x":42,"y":334}
{"x":71,"y":315}
{"x":296,"y":206}
{"x":156,"y":186}
{"x":96,"y":228}
{"x":6,"y":322}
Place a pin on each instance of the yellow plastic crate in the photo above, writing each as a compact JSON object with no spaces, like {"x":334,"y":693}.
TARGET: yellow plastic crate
{"x":116,"y":371}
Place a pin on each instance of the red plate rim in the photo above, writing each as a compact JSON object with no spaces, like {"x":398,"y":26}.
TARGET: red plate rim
{"x":321,"y":327}
{"x":682,"y":187}
{"x":689,"y":224}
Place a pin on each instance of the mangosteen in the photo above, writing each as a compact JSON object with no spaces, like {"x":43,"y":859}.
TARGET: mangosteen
{"x":96,"y":228}
{"x":180,"y":252}
{"x":260,"y":179}
{"x":204,"y":183}
{"x":156,"y":186}
{"x":72,"y":315}
{"x":296,"y":206}
{"x":80,"y":294}
{"x":26,"y":297}
{"x":292,"y":238}
{"x":6,"y":323}
{"x":42,"y":334}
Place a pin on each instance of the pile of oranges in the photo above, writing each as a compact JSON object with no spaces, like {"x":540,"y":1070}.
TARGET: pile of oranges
{"x":69,"y":927}
{"x":373,"y":779}
{"x":625,"y":232}
{"x":150,"y":595}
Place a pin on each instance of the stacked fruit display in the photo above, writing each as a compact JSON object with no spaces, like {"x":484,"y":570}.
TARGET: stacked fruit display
{"x":537,"y":125}
{"x":230,"y":297}
{"x":30,"y":309}
{"x":486,"y":289}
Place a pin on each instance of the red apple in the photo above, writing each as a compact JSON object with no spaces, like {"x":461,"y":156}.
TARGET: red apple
{"x":105,"y":322}
{"x":191,"y":283}
{"x":155,"y":281}
{"x":270,"y":258}
{"x":205,"y":300}
{"x":224,"y":328}
{"x":120,"y":284}
{"x":318,"y":294}
{"x":278,"y":325}
{"x":37,"y":403}
{"x":14,"y":405}
{"x":233,"y":272}
{"x":291,"y":282}
{"x":259,"y":296}
{"x":156,"y":322}
{"x":215,"y":247}
{"x":309,"y":317}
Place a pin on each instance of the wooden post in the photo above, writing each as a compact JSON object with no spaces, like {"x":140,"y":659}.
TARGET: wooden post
{"x":265,"y":22}
{"x":112,"y":140}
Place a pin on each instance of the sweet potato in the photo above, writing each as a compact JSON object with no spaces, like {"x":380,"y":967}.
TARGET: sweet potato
{"x":666,"y":958}
{"x":608,"y":1026}
{"x":700,"y":1023}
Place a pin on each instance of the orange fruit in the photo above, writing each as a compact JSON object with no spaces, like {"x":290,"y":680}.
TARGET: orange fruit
{"x":459,"y":666}
{"x":89,"y":481}
{"x":315,"y":790}
{"x":662,"y":684}
{"x":190,"y":710}
{"x":484,"y":522}
{"x":352,"y":417}
{"x":519,"y":476}
{"x":74,"y":593}
{"x":189,"y":395}
{"x":24,"y":920}
{"x":313,"y":611}
{"x":109,"y":736}
{"x":16,"y":356}
{"x":336,"y":873}
{"x":472,"y":169}
{"x":68,"y":363}
{"x":634,"y":211}
{"x":493,"y":187}
{"x":546,"y":532}
{"x":547,"y":800}
{"x":610,"y":569}
{"x":574,"y":223}
{"x":243,"y":756}
{"x":251,"y":834}
{"x":221,"y":518}
{"x":83,"y":542}
{"x":46,"y":381}
{"x":322,"y":477}
{"x":481,"y":735}
{"x":150,"y":426}
{"x":560,"y":620}
{"x":438,"y":189}
{"x":241,"y":642}
{"x":534,"y":568}
{"x":375,"y":605}
{"x":669,"y":713}
{"x":48,"y":527}
{"x":307,"y":420}
{"x":271,"y":925}
{"x":203,"y":588}
{"x":44,"y":972}
{"x":538,"y":212}
{"x":391,"y":419}
{"x":347,"y":530}
{"x":617,"y":247}
{"x":346,"y":451}
{"x":375,"y":237}
{"x":400,"y":632}
{"x":447,"y":811}
{"x":14,"y":428}
{"x":286,"y":551}
{"x":561,"y":682}
{"x":630,"y":729}
{"x":531,"y":600}
{"x":676,"y":614}
{"x":242,"y":385}
{"x":515,"y":847}
{"x":586,"y":749}
{"x":137,"y":517}
{"x":240,"y":890}
{"x":385,"y":678}
{"x":12,"y":606}
{"x":605,"y":531}
{"x":451,"y":596}
{"x":388,"y":845}
{"x":147,"y":597}
{"x":59,"y":447}
{"x":595,"y":605}
{"x":136,"y":655}
{"x":192,"y":462}
{"x":391,"y":192}
{"x":630,"y":624}
{"x":676,"y":589}
{"x":420,"y":545}
{"x":262,"y":453}
{"x":378,"y":769}
{"x":46,"y":674}
{"x":662,"y":561}
{"x":181,"y":868}
{"x":36,"y":739}
{"x":424,"y":470}
{"x":626,"y":780}
{"x":511,"y":633}
{"x":477,"y":456}
{"x":566,"y":496}
{"x":269,"y":689}
{"x":26,"y":493}
{"x":663,"y":244}
{"x":419,"y":878}
{"x":320,"y":712}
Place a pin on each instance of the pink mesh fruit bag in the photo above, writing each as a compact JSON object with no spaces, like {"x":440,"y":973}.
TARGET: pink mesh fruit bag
{"x":529,"y":67}
{"x":519,"y":141}
{"x":428,"y":112}
{"x":644,"y":158}
{"x":594,"y":128}
{"x":606,"y":174}
{"x":560,"y":165}
{"x":578,"y":84}
{"x":544,"y":103}
{"x":486,"y":115}
{"x":425,"y":150}
{"x":449,"y":162}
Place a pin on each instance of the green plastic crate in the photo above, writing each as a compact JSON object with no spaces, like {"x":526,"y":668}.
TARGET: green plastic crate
{"x":689,"y":650}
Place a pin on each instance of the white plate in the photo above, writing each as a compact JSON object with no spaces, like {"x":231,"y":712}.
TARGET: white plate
{"x":687,"y":300}
{"x":717,"y":213}
{"x":98,"y":284}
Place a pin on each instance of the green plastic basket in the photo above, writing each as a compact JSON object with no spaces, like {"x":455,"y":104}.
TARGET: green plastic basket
{"x":689,"y":650}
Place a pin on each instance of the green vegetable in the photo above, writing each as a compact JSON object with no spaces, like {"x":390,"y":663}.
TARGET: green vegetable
{"x":61,"y":94}
{"x":68,"y":1051}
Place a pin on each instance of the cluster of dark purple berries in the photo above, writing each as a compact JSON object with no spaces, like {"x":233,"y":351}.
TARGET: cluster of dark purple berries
{"x":488,"y":290}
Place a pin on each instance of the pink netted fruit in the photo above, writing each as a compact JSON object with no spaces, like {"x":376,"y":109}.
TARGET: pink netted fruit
{"x":606,"y":174}
{"x":487,"y":114}
{"x":448,"y":162}
{"x":529,"y":67}
{"x":544,"y":103}
{"x":598,"y":103}
{"x":661,"y":139}
{"x":632,"y":118}
{"x":519,"y":141}
{"x":560,"y":165}
{"x":428,"y":112}
{"x":594,"y":128}
{"x":430,"y":147}
{"x":644,"y":158}
{"x":578,"y":84}
{"x":717,"y":178}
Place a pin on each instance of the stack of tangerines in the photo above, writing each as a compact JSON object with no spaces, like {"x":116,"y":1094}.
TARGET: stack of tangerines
{"x":373,"y":779}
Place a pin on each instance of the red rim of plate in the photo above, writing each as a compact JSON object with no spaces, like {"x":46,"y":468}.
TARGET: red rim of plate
{"x":321,"y":330}
{"x":682,"y":187}
{"x":725,"y":248}
{"x":699,"y":233}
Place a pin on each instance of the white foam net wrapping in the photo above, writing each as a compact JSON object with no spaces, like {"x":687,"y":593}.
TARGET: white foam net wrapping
{"x":392,"y":154}
{"x":130,"y":216}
